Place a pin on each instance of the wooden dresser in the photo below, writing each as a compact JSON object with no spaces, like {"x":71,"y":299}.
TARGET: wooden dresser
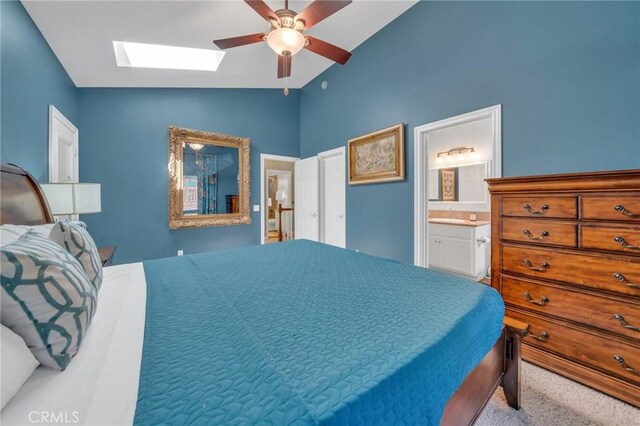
{"x":566,"y":259}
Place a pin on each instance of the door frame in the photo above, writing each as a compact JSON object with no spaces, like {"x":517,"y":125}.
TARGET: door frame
{"x":56,"y":120}
{"x":263,"y":158}
{"x":420,"y":153}
{"x":340,"y":151}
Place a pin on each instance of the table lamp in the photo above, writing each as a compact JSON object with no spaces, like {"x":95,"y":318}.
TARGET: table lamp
{"x":66,"y":199}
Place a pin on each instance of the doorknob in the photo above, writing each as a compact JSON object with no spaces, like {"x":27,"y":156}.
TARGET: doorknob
{"x":340,"y":215}
{"x":314,"y":214}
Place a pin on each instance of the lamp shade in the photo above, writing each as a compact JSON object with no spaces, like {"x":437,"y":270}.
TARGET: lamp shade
{"x":281,"y":196}
{"x":286,"y":41}
{"x":73,"y":198}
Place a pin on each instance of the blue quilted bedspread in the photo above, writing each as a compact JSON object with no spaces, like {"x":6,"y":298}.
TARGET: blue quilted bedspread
{"x":304,"y":333}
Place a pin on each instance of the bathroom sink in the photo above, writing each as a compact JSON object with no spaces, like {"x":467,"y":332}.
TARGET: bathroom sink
{"x":447,"y":220}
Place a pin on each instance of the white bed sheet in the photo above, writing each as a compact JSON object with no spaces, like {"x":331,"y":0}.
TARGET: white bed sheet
{"x":100,"y":385}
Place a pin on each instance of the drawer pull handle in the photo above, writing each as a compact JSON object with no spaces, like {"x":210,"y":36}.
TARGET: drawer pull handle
{"x":625,"y":244}
{"x":542,"y":210}
{"x":624,"y":323}
{"x":618,"y":276}
{"x":528,"y":234}
{"x":543,"y":266}
{"x":543,"y":300}
{"x":624,"y":365}
{"x":542,"y":337}
{"x":620,"y":209}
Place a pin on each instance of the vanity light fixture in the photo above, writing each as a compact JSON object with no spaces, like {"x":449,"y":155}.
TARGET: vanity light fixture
{"x":455,"y":154}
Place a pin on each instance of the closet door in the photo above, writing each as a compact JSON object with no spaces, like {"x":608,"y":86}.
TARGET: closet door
{"x":306,"y":196}
{"x":333,"y":197}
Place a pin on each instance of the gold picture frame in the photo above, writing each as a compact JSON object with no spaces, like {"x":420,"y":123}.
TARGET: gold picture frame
{"x":178,"y":138}
{"x":448,"y":184}
{"x":377,"y":157}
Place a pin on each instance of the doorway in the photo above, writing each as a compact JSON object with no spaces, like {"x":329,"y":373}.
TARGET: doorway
{"x":277,"y":187}
{"x":63,"y":148}
{"x":450,"y":155}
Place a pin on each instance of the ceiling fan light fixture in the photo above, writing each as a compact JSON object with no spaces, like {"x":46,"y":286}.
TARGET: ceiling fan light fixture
{"x":286,"y":41}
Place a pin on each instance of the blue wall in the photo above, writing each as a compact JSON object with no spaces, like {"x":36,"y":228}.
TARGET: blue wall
{"x":124,"y":147}
{"x":567,"y":76}
{"x":31,"y":79}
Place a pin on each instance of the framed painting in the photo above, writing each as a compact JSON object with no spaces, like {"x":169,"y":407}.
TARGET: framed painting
{"x":449,"y":184}
{"x":377,"y":157}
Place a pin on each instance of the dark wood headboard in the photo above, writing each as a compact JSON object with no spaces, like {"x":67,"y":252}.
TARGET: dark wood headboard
{"x":22,"y":201}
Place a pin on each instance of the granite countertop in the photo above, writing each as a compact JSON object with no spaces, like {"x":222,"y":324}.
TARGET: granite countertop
{"x":458,"y":222}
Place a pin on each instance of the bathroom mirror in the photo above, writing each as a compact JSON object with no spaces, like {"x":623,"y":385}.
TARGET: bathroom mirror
{"x":208,"y":179}
{"x":459,"y":184}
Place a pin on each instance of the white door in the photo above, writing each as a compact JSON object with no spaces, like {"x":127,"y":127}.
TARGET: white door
{"x":63,"y":148}
{"x":306,"y":195}
{"x":333,"y":198}
{"x":471,"y":183}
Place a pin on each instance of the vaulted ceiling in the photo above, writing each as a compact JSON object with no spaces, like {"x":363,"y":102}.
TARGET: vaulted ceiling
{"x":81,"y":35}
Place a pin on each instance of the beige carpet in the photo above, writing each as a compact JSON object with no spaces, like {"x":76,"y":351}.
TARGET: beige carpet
{"x":552,"y":400}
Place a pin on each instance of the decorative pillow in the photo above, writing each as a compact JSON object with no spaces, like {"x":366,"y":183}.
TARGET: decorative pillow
{"x":10,"y":233}
{"x":17,"y":363}
{"x":79,"y":243}
{"x":47,"y":298}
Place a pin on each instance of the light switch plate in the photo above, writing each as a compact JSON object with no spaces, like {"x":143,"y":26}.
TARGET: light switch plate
{"x":256,"y":207}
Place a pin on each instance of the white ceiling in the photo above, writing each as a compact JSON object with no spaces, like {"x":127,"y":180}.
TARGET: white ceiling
{"x":81,"y":34}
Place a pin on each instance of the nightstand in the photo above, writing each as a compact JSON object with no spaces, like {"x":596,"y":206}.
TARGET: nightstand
{"x":106,"y":255}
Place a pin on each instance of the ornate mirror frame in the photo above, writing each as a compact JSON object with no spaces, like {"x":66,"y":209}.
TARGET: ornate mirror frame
{"x":178,"y":137}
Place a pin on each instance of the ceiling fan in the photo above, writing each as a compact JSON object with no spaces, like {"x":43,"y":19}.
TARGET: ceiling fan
{"x":286,"y":36}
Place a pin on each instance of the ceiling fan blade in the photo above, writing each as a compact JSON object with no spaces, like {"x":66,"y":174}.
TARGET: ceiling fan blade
{"x":284,"y":66}
{"x":263,"y":9}
{"x":328,"y":50}
{"x":227,"y":43}
{"x":319,"y":10}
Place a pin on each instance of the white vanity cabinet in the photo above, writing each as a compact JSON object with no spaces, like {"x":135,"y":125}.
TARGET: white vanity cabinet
{"x":461,"y":249}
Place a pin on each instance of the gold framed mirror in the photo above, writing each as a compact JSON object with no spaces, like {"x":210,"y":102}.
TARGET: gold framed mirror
{"x":208,"y":179}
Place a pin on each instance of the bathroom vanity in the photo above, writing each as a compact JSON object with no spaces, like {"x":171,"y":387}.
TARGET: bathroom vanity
{"x":459,"y":246}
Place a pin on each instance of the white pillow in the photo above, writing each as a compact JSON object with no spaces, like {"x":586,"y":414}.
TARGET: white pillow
{"x":17,"y":364}
{"x":10,"y":233}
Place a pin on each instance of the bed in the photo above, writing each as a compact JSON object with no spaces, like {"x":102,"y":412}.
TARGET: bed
{"x":289,"y":333}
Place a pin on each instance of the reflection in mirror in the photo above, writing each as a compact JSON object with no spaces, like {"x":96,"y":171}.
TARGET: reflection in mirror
{"x":210,"y":182}
{"x":208,"y":179}
{"x":463,"y":183}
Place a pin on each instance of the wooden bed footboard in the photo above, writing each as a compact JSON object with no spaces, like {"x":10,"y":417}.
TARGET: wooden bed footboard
{"x":500,"y":367}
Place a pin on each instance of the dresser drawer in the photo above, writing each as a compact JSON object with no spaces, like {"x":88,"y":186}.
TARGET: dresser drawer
{"x":611,"y":207}
{"x":539,"y":232}
{"x":589,"y":348}
{"x":608,"y":313}
{"x":610,"y":238}
{"x":612,"y":273}
{"x":539,"y":206}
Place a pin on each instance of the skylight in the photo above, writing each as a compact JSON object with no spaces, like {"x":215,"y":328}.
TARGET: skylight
{"x":142,"y":55}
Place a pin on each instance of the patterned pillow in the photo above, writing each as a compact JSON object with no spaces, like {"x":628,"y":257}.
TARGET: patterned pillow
{"x":79,"y":243}
{"x":47,"y":298}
